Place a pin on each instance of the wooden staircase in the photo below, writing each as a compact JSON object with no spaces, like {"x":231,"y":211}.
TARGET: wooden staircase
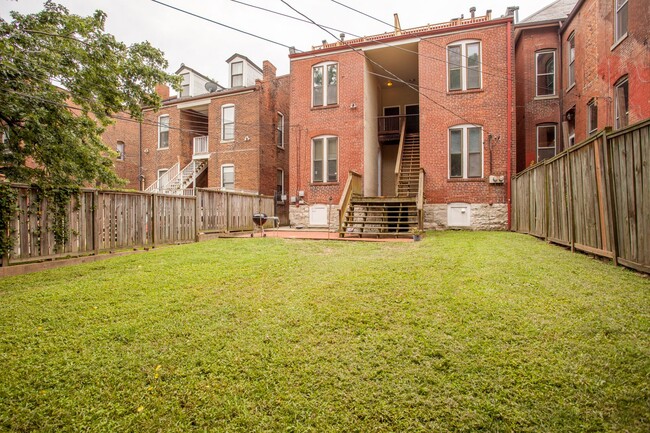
{"x":409,"y":167}
{"x":380,"y":216}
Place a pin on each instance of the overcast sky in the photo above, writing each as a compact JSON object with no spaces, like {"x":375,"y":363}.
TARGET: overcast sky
{"x":205,"y":46}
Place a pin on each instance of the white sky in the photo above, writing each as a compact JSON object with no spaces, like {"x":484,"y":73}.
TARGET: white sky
{"x":205,"y":46}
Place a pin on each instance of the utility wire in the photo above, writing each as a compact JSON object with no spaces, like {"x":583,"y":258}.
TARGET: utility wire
{"x":222,"y":24}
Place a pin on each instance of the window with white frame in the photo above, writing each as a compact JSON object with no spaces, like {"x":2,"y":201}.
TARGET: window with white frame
{"x":464,"y":65}
{"x":185,"y":85}
{"x":592,"y":117}
{"x":571,"y":52}
{"x":237,"y":74}
{"x":466,"y":151}
{"x":325,"y":84}
{"x":228,"y":123}
{"x":621,"y":20}
{"x":120,"y":150}
{"x":161,"y":177}
{"x":279,"y":189}
{"x":280,"y":130}
{"x":621,"y":103}
{"x":545,"y":72}
{"x":324,"y":153}
{"x":546,"y":141}
{"x":163,"y":132}
{"x":228,"y":176}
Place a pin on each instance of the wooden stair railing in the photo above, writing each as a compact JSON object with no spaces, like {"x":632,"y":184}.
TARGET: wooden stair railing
{"x":353,"y":186}
{"x":420,"y":200}
{"x":400,"y":150}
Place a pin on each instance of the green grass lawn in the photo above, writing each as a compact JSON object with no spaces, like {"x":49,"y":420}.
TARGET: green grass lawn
{"x":463,"y":331}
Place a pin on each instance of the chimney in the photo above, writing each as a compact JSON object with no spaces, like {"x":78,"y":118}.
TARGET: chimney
{"x":513,"y":11}
{"x":472,"y":11}
{"x":268,"y":70}
{"x":162,"y":90}
{"x":488,"y":14}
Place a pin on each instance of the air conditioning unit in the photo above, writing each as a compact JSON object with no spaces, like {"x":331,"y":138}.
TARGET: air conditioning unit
{"x":496,"y":179}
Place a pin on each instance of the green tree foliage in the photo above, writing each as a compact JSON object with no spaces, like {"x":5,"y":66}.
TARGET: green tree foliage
{"x":62,"y":79}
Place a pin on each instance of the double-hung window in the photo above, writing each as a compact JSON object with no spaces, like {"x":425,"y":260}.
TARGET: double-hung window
{"x":592,"y":117}
{"x":280,"y":130}
{"x":571,"y":52}
{"x":546,"y":141}
{"x":620,"y":27}
{"x":464,"y":65}
{"x":227,"y":123}
{"x":120,"y":150}
{"x":324,"y":153}
{"x":466,"y":151}
{"x":163,"y":132}
{"x":228,"y":176}
{"x":185,"y":85}
{"x":237,"y":74}
{"x":325,"y":84}
{"x":545,"y":72}
{"x":621,"y":103}
{"x":279,"y":189}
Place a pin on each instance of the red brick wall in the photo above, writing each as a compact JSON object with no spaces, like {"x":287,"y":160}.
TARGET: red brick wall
{"x":599,"y":65}
{"x":339,"y":120}
{"x":127,"y":132}
{"x":533,"y":110}
{"x":487,"y":107}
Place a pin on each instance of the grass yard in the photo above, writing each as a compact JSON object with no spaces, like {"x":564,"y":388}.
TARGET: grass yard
{"x":461,"y":332}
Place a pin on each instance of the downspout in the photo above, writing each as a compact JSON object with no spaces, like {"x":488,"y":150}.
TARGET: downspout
{"x":140,"y":175}
{"x":509,"y":123}
{"x":560,"y":87}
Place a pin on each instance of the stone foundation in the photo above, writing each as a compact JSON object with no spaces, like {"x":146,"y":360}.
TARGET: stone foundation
{"x":299,"y":216}
{"x":483,"y":217}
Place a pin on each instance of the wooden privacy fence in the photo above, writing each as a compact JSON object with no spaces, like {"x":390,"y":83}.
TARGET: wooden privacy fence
{"x":109,"y":220}
{"x":593,"y":197}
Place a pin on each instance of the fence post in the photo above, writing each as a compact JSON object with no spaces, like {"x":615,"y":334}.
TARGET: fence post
{"x":609,"y":182}
{"x":95,"y":216}
{"x":569,"y":178}
{"x":228,"y":211}
{"x":153,"y":220}
{"x":197,"y":214}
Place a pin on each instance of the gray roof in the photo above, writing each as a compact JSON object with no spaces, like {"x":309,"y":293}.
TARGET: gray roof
{"x":558,"y":10}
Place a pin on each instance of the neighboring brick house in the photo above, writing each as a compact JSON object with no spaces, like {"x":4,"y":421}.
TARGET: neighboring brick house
{"x":123,"y":136}
{"x":449,"y":86}
{"x":581,"y":66}
{"x":232,"y":138}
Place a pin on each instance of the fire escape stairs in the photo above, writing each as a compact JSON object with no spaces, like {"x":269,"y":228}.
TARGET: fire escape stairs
{"x":183,"y":179}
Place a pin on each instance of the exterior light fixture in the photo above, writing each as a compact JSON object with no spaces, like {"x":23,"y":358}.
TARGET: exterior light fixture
{"x":389,"y":84}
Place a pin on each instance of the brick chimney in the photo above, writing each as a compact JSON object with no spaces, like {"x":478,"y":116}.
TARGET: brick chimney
{"x":268,"y":70}
{"x":162,"y":90}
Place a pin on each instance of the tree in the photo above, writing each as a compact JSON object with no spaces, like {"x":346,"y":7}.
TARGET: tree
{"x":62,"y":79}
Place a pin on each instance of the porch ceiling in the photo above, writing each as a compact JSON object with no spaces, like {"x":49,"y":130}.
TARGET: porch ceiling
{"x":401,"y":61}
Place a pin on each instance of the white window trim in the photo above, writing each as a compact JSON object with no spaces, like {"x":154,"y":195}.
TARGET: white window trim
{"x":617,"y":116}
{"x":233,"y":175}
{"x":189,"y":84}
{"x":616,"y":12}
{"x":280,"y":129}
{"x":571,"y":70}
{"x":243,"y":71}
{"x":120,"y":156}
{"x":324,"y":65}
{"x":325,"y":161}
{"x":591,"y":103}
{"x":234,"y":122}
{"x":537,"y":74}
{"x":464,"y":151}
{"x":537,"y":148}
{"x":463,"y":66}
{"x":160,"y":130}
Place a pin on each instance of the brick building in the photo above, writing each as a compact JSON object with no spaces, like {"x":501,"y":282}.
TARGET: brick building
{"x":208,"y":136}
{"x":581,"y":66}
{"x":437,"y":100}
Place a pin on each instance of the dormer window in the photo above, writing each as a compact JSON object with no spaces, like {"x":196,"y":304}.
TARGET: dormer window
{"x":237,"y":74}
{"x":185,"y":85}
